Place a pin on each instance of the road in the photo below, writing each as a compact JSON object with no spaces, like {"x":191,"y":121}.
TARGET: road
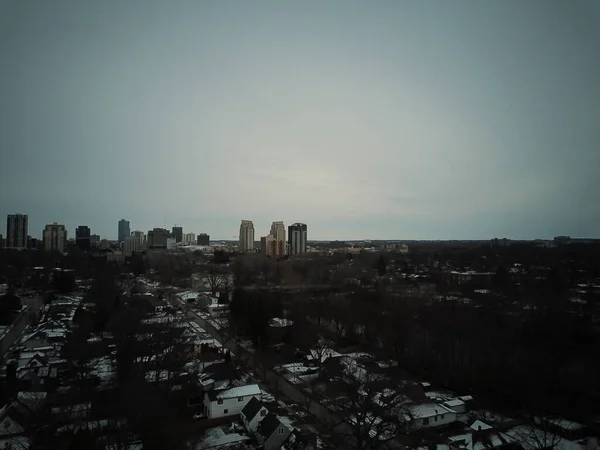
{"x":270,"y":378}
{"x":33,"y":304}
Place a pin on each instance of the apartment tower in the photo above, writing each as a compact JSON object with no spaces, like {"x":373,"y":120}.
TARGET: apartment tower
{"x":16,"y":230}
{"x":55,"y":238}
{"x":124,"y":230}
{"x":246,"y":236}
{"x":297,"y":239}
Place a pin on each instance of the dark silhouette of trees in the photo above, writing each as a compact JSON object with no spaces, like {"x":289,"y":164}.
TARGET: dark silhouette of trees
{"x":10,"y":303}
{"x":381,"y":266}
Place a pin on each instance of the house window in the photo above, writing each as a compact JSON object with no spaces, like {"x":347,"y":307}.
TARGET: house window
{"x":219,"y":401}
{"x":225,"y":411}
{"x":442,"y":417}
{"x":426,"y":421}
{"x":240,"y":399}
{"x":280,"y":431}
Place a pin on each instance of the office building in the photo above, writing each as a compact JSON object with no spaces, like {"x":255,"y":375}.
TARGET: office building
{"x":83,"y":237}
{"x":246,"y":236}
{"x":2,"y":241}
{"x":189,"y":238}
{"x":297,"y":239}
{"x":171,"y":244}
{"x":55,"y":238}
{"x":203,"y":239}
{"x":271,"y":246}
{"x":177,"y":234}
{"x":157,"y":239}
{"x":132,"y":244}
{"x":123,"y":229}
{"x":16,"y":230}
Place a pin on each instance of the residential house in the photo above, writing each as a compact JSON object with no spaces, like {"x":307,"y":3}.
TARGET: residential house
{"x":430,"y":415}
{"x":253,"y":413}
{"x":456,"y":405}
{"x":229,"y":402}
{"x":272,"y":432}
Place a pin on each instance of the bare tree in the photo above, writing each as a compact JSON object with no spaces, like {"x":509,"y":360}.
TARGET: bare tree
{"x":537,"y":437}
{"x":215,"y":278}
{"x":370,"y":408}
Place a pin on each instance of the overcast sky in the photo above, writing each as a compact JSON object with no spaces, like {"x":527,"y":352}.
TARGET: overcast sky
{"x":386,"y":119}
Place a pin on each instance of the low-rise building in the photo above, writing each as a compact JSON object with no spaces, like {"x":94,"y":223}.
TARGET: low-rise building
{"x":430,"y":415}
{"x":229,"y":402}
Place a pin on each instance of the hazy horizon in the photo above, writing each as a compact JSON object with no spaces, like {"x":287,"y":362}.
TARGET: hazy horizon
{"x":386,"y":120}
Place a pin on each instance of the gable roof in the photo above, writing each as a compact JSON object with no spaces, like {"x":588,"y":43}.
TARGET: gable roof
{"x":252,"y":408}
{"x":268,"y":425}
{"x":239,"y":391}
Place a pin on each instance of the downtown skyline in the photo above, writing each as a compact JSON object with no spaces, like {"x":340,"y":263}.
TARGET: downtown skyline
{"x":404,"y":120}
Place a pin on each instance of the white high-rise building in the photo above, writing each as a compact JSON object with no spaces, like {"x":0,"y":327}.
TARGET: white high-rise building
{"x":297,"y":239}
{"x":189,"y":238}
{"x":278,"y":230}
{"x":246,"y":236}
{"x":141,"y":237}
{"x":55,"y":237}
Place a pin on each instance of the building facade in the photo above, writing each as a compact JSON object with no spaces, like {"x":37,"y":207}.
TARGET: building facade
{"x":177,"y":234}
{"x":246,"y":236}
{"x":278,"y":230}
{"x":297,"y":238}
{"x":157,"y":239}
{"x":141,"y":237}
{"x":55,"y":238}
{"x":124,"y":230}
{"x":228,"y":402}
{"x":272,"y":247}
{"x":131,"y":244}
{"x":189,"y":238}
{"x":16,"y":230}
{"x":83,"y":238}
{"x":203,"y":239}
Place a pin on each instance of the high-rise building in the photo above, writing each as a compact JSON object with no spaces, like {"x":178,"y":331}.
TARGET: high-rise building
{"x":278,"y":230}
{"x":123,"y":229}
{"x":83,"y":237}
{"x":189,"y":238}
{"x":297,"y":238}
{"x":203,"y":239}
{"x":132,"y":244}
{"x":141,"y":237}
{"x":16,"y":230}
{"x":157,"y":238}
{"x":55,"y":238}
{"x":171,"y":244}
{"x":177,"y":234}
{"x":271,"y":246}
{"x":246,"y":236}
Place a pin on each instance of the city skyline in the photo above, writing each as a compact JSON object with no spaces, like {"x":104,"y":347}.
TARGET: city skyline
{"x":404,"y":120}
{"x":268,"y":225}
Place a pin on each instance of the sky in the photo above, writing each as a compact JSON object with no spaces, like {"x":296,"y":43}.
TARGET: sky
{"x":392,"y":119}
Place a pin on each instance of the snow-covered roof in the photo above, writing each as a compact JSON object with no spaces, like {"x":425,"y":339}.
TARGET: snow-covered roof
{"x":280,"y":323}
{"x":429,"y":410}
{"x":479,"y":425}
{"x":239,"y":391}
{"x":454,"y":403}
